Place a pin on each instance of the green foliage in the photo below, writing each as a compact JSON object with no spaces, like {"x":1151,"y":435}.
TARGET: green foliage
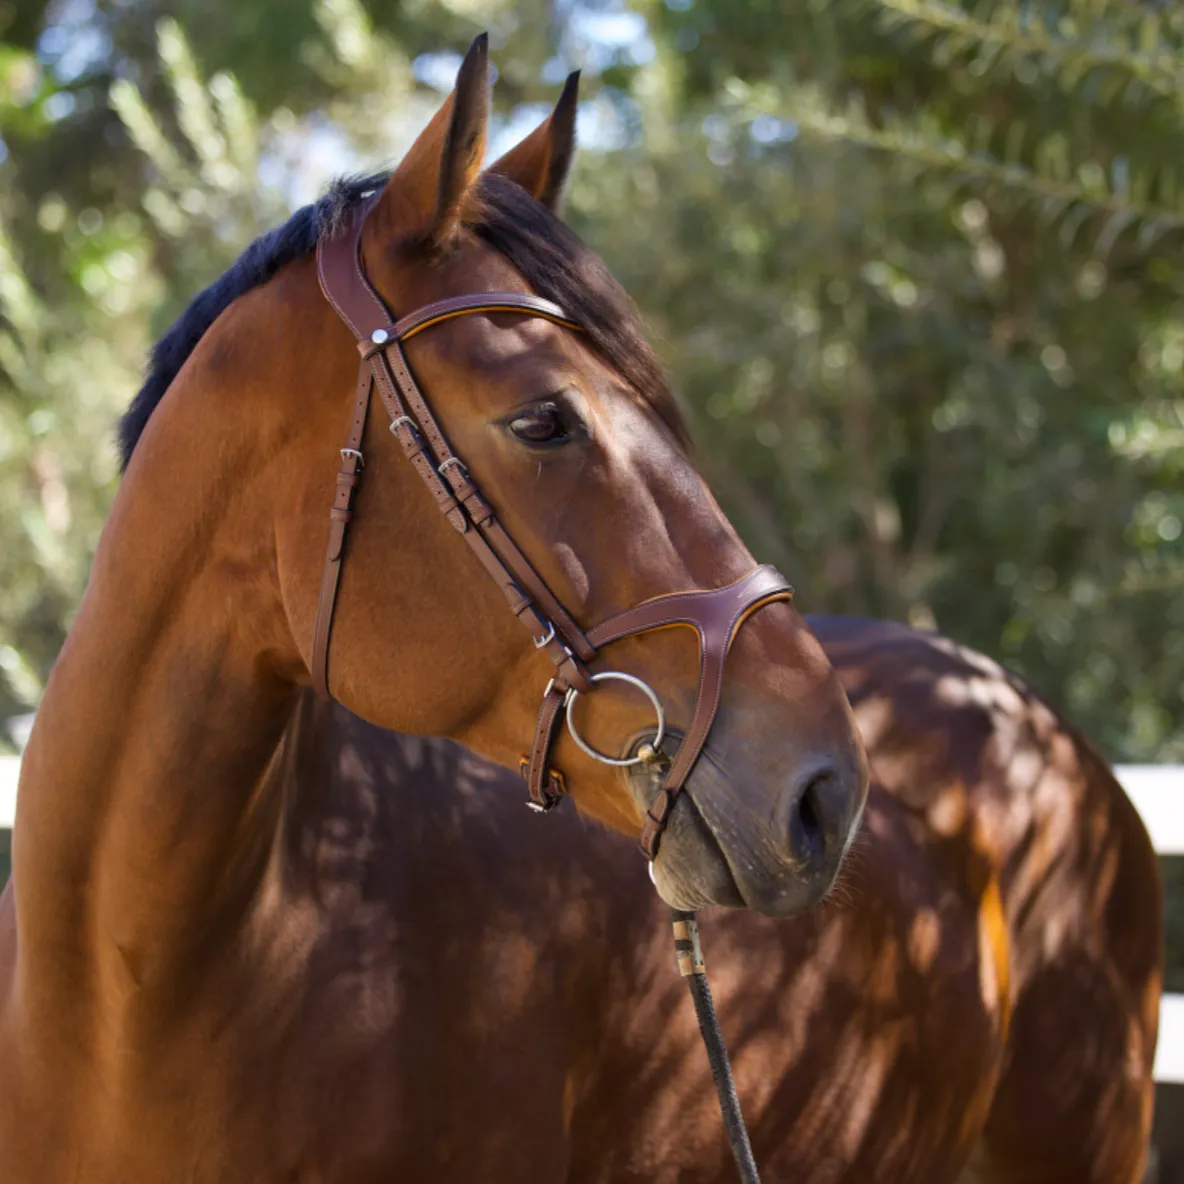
{"x":915,"y":265}
{"x":934,"y":336}
{"x":58,"y":384}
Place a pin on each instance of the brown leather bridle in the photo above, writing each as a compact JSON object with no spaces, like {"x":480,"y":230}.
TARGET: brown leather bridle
{"x":716,"y":615}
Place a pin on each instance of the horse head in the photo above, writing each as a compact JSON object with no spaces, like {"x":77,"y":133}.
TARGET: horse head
{"x":527,"y":399}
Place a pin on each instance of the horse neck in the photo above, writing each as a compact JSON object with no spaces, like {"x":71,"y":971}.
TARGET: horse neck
{"x":145,"y":817}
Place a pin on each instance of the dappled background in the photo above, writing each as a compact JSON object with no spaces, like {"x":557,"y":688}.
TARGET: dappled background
{"x":916,"y":268}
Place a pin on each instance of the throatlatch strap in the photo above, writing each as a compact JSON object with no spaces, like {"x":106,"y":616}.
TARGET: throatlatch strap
{"x":342,"y":512}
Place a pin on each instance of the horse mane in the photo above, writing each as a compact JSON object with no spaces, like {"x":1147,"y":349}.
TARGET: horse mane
{"x":551,"y":258}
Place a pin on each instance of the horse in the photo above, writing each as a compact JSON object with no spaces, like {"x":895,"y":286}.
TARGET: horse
{"x":250,"y":937}
{"x":974,"y":1003}
{"x":167,"y":1011}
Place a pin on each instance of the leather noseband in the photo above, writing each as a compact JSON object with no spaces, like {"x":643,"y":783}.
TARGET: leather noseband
{"x":715,"y":615}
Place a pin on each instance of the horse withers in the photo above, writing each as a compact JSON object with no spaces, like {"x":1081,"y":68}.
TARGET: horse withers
{"x":152,"y":960}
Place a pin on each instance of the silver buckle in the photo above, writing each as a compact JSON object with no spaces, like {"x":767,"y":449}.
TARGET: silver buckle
{"x":453,"y":460}
{"x":541,"y":643}
{"x":346,"y":453}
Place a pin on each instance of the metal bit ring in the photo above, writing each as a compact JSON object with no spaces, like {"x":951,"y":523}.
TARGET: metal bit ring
{"x":633,"y":680}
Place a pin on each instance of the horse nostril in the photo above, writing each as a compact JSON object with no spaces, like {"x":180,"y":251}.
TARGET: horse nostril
{"x":808,"y":810}
{"x":806,"y":835}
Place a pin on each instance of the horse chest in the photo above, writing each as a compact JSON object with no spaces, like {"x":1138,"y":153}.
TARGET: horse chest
{"x":394,"y":1064}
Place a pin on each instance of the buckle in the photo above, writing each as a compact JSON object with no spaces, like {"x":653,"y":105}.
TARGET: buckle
{"x":550,"y":800}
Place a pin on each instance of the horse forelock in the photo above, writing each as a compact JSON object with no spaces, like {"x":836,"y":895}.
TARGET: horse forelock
{"x":549,"y":255}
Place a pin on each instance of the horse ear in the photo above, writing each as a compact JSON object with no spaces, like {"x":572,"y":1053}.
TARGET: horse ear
{"x":426,"y":194}
{"x":541,"y":163}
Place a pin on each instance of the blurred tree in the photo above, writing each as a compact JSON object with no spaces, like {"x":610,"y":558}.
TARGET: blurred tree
{"x":918,"y":269}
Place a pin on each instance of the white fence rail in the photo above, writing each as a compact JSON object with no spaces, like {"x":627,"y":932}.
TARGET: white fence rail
{"x":10,"y":767}
{"x":1156,"y":790}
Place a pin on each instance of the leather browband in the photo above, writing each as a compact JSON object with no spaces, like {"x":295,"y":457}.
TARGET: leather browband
{"x":716,"y":615}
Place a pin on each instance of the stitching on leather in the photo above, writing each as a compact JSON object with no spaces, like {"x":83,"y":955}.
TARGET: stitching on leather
{"x":357,"y":254}
{"x":693,"y":594}
{"x":669,"y":781}
{"x":475,"y":303}
{"x":706,"y":655}
{"x":719,"y":686}
{"x":646,"y":628}
{"x":537,"y":773}
{"x":324,"y":245}
{"x":323,"y":281}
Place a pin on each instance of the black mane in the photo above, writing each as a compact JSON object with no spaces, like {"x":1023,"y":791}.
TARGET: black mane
{"x":256,"y":265}
{"x":551,"y":258}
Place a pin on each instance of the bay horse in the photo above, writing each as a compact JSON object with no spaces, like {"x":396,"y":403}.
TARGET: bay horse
{"x":975,"y":1004}
{"x":155,"y":973}
{"x":249,"y":937}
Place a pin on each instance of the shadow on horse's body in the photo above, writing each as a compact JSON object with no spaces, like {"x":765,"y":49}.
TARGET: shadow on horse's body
{"x":483,"y":994}
{"x":438,"y":985}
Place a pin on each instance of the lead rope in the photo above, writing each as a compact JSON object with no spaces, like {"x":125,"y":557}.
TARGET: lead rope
{"x":690,"y":965}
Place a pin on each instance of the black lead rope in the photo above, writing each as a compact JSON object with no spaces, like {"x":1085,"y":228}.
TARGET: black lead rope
{"x":691,"y":967}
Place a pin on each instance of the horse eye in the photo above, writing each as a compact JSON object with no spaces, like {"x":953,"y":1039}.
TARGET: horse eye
{"x":540,"y":425}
